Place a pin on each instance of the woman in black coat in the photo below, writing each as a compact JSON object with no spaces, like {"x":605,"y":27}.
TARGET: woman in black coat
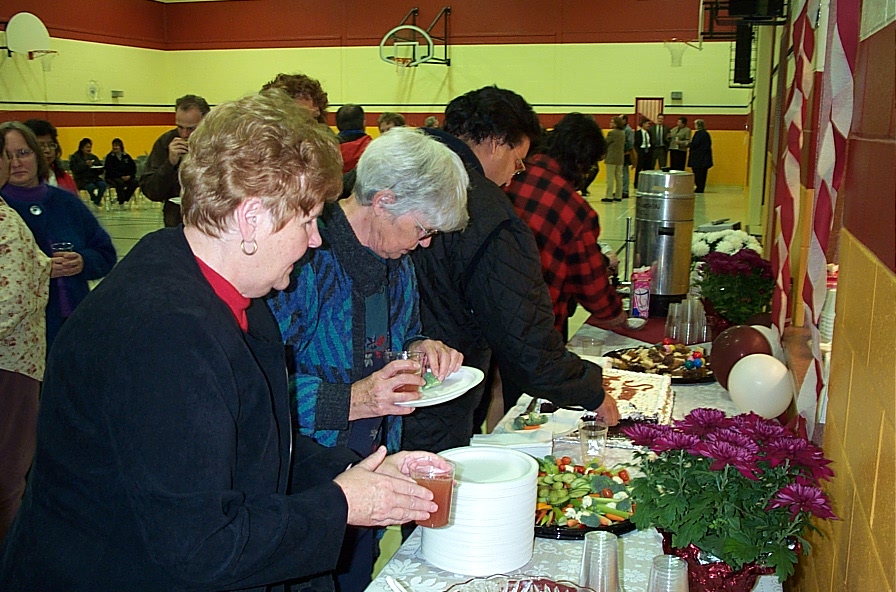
{"x":700,"y":158}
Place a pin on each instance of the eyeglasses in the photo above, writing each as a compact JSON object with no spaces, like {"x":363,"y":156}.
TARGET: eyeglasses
{"x":520,"y":167}
{"x":49,"y":145}
{"x":425,"y":233}
{"x":21,"y":154}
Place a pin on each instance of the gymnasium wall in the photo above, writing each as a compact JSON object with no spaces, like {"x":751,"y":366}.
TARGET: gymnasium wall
{"x":525,"y":51}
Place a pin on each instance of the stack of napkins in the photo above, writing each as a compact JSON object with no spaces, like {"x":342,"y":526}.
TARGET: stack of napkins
{"x":537,"y":443}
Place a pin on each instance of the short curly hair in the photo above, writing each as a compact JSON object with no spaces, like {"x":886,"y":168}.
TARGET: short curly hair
{"x":300,"y":86}
{"x":263,"y":146}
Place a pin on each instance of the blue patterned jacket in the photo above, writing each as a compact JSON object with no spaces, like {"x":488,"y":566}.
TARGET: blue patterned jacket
{"x":321,"y":317}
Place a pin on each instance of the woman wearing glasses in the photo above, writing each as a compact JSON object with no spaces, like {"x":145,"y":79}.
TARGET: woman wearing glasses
{"x":356,"y":299}
{"x":63,"y":227}
{"x":49,"y":145}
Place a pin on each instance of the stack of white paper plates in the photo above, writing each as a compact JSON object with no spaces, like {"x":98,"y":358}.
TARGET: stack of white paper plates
{"x":490,"y":527}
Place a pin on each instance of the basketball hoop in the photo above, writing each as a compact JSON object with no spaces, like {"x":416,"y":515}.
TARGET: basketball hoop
{"x":676,"y":51}
{"x":46,"y":57}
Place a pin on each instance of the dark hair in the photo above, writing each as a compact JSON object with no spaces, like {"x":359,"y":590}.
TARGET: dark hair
{"x":299,"y":86}
{"x":84,"y":142}
{"x":624,"y":118}
{"x":577,"y":144}
{"x":491,"y":113}
{"x":187,"y":102}
{"x":42,"y":127}
{"x":350,"y":117}
{"x":644,"y":120}
{"x":119,"y":142}
{"x":683,"y":120}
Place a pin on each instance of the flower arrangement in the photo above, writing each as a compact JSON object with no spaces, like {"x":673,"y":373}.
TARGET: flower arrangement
{"x":738,"y":286}
{"x":722,"y":241}
{"x":742,"y":489}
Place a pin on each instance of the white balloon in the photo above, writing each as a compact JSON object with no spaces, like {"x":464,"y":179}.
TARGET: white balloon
{"x":774,"y":340}
{"x":762,"y":384}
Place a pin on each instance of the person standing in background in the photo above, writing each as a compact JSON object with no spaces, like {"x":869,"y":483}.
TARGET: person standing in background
{"x":660,"y":141}
{"x":86,"y":169}
{"x":389,"y":119}
{"x":627,"y":160}
{"x":63,"y":227}
{"x":49,"y":144}
{"x":644,"y":148}
{"x":121,"y":172}
{"x":305,"y":91}
{"x":679,"y":139}
{"x":353,"y":137}
{"x":614,"y":160}
{"x":159,"y":180}
{"x":24,"y":289}
{"x":700,"y":159}
{"x":431,"y":121}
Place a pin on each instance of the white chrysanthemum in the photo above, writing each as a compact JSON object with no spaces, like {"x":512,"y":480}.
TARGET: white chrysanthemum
{"x":727,"y":247}
{"x":699,"y":249}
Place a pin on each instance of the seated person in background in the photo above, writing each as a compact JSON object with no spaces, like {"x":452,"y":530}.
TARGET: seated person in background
{"x":87,"y":169}
{"x":389,"y":119}
{"x":49,"y":144}
{"x":431,"y":121}
{"x":63,"y":227}
{"x":566,"y":228}
{"x":121,"y":172}
{"x":356,"y":299}
{"x":482,"y":290}
{"x":159,"y":180}
{"x":305,"y":91}
{"x":353,"y":138}
{"x":166,"y":458}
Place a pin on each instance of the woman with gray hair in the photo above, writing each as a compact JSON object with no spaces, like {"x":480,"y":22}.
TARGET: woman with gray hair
{"x":357,"y":299}
{"x":166,"y":458}
{"x":700,"y":158}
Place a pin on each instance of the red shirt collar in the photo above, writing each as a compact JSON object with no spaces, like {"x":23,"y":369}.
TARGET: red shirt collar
{"x":226,"y":292}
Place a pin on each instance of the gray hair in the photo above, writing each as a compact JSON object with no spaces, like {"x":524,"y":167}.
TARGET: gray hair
{"x":424,"y":174}
{"x":700,"y":124}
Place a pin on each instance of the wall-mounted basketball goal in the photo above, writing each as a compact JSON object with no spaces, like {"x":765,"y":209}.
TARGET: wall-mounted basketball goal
{"x":409,"y":45}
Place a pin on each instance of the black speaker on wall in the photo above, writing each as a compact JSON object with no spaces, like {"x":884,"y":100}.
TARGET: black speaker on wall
{"x":756,"y":8}
{"x":743,"y":54}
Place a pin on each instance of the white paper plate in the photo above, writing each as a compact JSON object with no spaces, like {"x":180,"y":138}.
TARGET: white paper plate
{"x":560,"y":423}
{"x":451,"y":388}
{"x":487,"y":465}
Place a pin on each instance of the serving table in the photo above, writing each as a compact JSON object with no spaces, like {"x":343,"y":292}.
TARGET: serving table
{"x":561,"y":560}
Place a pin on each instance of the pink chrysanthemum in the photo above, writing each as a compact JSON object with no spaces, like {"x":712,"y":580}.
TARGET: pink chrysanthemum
{"x":724,"y":454}
{"x":675,"y":441}
{"x":702,"y":421}
{"x":643,"y":434}
{"x":802,"y":498}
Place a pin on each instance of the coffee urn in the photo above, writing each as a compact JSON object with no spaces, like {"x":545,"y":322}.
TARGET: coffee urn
{"x":664,"y":228}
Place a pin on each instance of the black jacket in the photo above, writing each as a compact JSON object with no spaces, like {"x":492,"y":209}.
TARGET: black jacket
{"x":116,"y":168}
{"x":173,"y":467}
{"x":701,"y":150}
{"x":483,"y":293}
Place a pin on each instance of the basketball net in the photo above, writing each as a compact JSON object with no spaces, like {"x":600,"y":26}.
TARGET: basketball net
{"x":46,"y":57}
{"x":676,"y":51}
{"x":401,"y":64}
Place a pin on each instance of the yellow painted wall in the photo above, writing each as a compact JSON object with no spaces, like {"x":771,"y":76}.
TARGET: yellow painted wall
{"x":858,"y":552}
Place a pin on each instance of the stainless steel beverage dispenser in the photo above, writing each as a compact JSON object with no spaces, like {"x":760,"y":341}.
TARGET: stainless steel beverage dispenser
{"x":664,"y":227}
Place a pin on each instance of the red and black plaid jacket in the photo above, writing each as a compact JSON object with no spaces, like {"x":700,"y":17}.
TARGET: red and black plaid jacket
{"x":566,"y":229}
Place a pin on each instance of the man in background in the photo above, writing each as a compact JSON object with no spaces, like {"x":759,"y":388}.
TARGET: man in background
{"x":482,"y":290}
{"x":159,"y":180}
{"x":389,"y":119}
{"x":353,"y":138}
{"x":644,"y":148}
{"x":305,"y":91}
{"x":627,"y":164}
{"x":660,"y":143}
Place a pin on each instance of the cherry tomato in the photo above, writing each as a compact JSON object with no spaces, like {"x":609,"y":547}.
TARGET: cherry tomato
{"x":606,"y":492}
{"x":566,"y":460}
{"x":623,"y":474}
{"x":579,"y":469}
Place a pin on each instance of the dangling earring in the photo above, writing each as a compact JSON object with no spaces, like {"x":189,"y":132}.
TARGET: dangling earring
{"x":254,"y":247}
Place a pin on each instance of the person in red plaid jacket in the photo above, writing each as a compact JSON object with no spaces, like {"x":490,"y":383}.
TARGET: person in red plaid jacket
{"x":566,"y":228}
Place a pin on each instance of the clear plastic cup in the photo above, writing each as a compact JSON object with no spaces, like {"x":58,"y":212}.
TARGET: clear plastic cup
{"x":391,"y":356}
{"x":600,"y":565}
{"x":668,"y":574}
{"x":441,"y":483}
{"x":593,"y":440}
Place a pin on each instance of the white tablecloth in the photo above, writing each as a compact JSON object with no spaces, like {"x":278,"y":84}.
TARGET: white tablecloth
{"x":561,"y":560}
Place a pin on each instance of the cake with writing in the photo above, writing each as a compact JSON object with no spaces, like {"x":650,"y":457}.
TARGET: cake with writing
{"x":640,"y":397}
